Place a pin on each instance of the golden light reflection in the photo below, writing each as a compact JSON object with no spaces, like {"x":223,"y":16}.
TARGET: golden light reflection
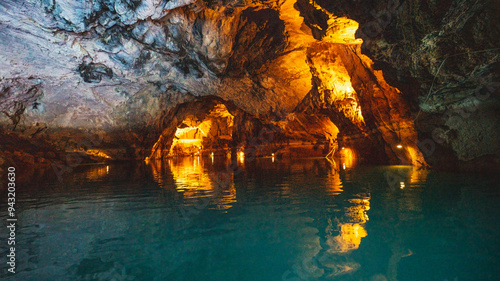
{"x":351,"y":232}
{"x":418,"y":176}
{"x":189,"y":175}
{"x":193,"y":181}
{"x":156,"y":167}
{"x":357,"y":212}
{"x":350,"y":237}
{"x":96,"y":172}
{"x":241,"y":157}
{"x":406,"y":177}
{"x":347,"y":158}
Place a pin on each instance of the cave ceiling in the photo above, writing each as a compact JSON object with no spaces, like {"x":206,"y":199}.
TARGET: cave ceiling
{"x":122,"y":66}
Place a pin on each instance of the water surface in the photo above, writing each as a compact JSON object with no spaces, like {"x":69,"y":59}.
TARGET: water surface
{"x":271,"y":219}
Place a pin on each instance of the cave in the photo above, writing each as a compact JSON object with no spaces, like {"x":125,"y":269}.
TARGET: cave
{"x":197,"y":134}
{"x":250,"y":140}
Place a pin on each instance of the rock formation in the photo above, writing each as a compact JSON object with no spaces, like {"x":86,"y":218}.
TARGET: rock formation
{"x":116,"y":79}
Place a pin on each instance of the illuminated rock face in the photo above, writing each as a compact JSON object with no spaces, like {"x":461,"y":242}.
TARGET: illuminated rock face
{"x":444,"y":57}
{"x":134,"y":72}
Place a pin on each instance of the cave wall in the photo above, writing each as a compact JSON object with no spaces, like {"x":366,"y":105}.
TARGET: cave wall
{"x":444,"y":57}
{"x":128,"y":72}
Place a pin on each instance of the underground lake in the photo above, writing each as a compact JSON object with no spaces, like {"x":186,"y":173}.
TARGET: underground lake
{"x":194,"y":218}
{"x":249,"y":140}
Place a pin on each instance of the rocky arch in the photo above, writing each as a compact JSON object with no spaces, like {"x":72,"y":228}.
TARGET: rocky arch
{"x":294,"y":134}
{"x":202,"y":111}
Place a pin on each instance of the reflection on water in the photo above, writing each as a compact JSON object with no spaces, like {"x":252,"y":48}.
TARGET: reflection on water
{"x":194,"y":180}
{"x":352,"y":231}
{"x":349,"y":237}
{"x":347,"y":158}
{"x":96,"y":172}
{"x":198,"y":218}
{"x":190,"y":177}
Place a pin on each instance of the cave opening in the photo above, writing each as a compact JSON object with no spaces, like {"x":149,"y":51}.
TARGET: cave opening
{"x":213,"y":134}
{"x":203,"y":127}
{"x":210,"y":126}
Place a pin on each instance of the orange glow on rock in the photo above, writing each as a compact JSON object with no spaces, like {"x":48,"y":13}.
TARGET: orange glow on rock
{"x":97,"y":153}
{"x":189,"y":140}
{"x":347,"y":158}
{"x":334,"y":65}
{"x":340,"y":29}
{"x":191,"y":137}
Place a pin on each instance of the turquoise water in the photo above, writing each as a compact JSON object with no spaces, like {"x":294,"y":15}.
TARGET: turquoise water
{"x":271,"y":219}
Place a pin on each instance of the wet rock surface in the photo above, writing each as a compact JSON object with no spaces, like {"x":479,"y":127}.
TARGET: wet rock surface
{"x":444,"y":57}
{"x":131,"y":71}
